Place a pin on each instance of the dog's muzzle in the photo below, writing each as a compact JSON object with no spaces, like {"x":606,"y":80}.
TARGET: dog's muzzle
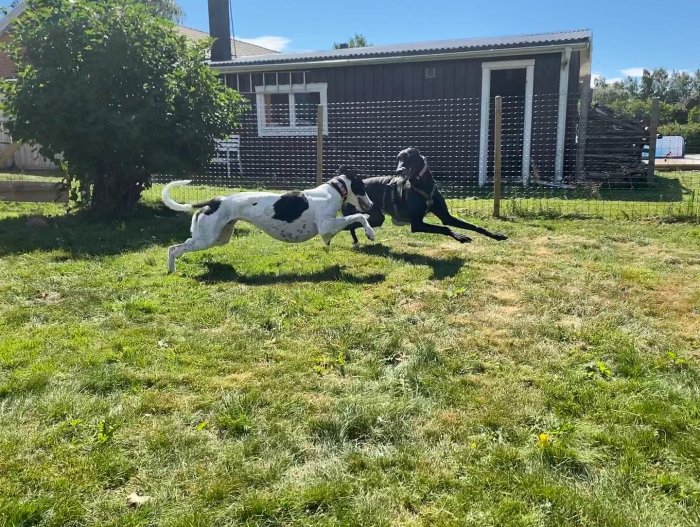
{"x":365,"y":203}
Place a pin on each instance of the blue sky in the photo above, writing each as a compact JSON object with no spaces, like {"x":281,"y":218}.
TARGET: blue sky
{"x":618,"y":25}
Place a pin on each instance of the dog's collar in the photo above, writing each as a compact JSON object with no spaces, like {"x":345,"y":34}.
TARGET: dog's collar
{"x":339,"y":185}
{"x":425,"y":167}
{"x":429,"y":198}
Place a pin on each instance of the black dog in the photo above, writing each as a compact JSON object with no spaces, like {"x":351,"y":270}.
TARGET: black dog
{"x":408,"y":197}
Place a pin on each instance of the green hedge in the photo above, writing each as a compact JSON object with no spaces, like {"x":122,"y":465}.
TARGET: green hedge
{"x":690,"y":131}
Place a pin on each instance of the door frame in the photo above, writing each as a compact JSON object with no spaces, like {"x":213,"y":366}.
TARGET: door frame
{"x":486,"y":69}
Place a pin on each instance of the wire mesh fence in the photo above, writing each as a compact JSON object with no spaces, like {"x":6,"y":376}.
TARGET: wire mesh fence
{"x":276,"y":148}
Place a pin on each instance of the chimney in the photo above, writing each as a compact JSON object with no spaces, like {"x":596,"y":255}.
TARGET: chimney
{"x":220,"y":29}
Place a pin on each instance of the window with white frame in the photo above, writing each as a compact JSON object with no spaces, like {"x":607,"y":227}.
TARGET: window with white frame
{"x":290,"y":109}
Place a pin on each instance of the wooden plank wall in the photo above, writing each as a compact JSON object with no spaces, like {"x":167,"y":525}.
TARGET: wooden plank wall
{"x":27,"y":157}
{"x":376,"y":110}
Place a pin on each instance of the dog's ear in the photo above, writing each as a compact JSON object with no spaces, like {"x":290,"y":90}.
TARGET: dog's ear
{"x":346,"y":170}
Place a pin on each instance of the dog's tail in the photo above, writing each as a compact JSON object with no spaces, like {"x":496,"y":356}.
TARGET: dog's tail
{"x":172,"y":204}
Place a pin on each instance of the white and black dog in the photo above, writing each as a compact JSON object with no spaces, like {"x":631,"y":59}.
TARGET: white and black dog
{"x":293,"y":217}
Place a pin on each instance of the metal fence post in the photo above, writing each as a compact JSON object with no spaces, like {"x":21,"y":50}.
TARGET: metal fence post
{"x":497,"y":157}
{"x":319,"y":145}
{"x":653,"y":126}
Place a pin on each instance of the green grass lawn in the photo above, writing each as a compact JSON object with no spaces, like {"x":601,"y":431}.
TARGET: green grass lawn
{"x":672,"y":195}
{"x":49,"y":176}
{"x":548,"y":380}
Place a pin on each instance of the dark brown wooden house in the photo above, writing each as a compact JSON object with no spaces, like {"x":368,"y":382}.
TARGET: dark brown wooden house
{"x":434,"y":95}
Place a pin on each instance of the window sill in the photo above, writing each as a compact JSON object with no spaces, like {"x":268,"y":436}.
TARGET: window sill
{"x":299,"y":131}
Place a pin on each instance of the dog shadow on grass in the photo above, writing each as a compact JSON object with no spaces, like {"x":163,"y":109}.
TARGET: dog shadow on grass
{"x":442,"y":268}
{"x":84,"y":236}
{"x":218,"y":273}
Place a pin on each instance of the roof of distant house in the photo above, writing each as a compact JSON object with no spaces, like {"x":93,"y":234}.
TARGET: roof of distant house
{"x":239,"y":48}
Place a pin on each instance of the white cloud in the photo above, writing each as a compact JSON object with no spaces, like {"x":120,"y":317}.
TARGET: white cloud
{"x":269,"y":41}
{"x":633,"y":72}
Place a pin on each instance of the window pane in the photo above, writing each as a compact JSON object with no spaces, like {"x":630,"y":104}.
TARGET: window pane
{"x":276,"y":109}
{"x":305,"y":105}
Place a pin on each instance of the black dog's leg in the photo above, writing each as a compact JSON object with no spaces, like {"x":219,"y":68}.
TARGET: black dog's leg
{"x":376,"y":219}
{"x":440,"y":210}
{"x":421,"y":226}
{"x":347,"y":210}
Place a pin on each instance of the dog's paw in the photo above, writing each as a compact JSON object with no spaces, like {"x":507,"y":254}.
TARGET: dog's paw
{"x":499,"y":237}
{"x":370,"y":233}
{"x":461,"y":238}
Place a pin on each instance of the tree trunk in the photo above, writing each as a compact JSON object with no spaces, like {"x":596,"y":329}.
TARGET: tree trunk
{"x":116,"y":194}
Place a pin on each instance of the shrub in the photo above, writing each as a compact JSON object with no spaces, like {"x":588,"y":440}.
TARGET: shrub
{"x":117,"y":93}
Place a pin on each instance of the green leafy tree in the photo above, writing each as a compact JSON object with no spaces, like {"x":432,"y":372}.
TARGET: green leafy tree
{"x":654,"y":83}
{"x":678,"y":92}
{"x":694,"y":115}
{"x":118,"y":94}
{"x":357,"y":41}
{"x":164,"y":8}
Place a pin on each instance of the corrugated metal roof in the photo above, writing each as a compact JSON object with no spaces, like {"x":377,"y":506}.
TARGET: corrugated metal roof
{"x":419,"y":48}
{"x":243,"y":49}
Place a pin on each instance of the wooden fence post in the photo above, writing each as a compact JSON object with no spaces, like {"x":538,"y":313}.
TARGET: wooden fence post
{"x":653,"y":126}
{"x":497,"y":157}
{"x":319,"y":145}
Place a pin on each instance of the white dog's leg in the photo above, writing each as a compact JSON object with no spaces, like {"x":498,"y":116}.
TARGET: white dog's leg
{"x":190,"y":245}
{"x":175,"y":251}
{"x":328,"y":228}
{"x":206,"y":232}
{"x":226,"y":233}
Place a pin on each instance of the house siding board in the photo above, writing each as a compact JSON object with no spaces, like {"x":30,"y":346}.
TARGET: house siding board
{"x":431,"y":88}
{"x":547,"y":69}
{"x":545,"y":115}
{"x":387,"y":83}
{"x":7,"y":66}
{"x":575,"y":73}
{"x":377,"y":82}
{"x":572,"y":113}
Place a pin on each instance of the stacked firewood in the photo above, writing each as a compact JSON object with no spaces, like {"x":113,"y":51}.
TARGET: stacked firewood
{"x":614,"y":148}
